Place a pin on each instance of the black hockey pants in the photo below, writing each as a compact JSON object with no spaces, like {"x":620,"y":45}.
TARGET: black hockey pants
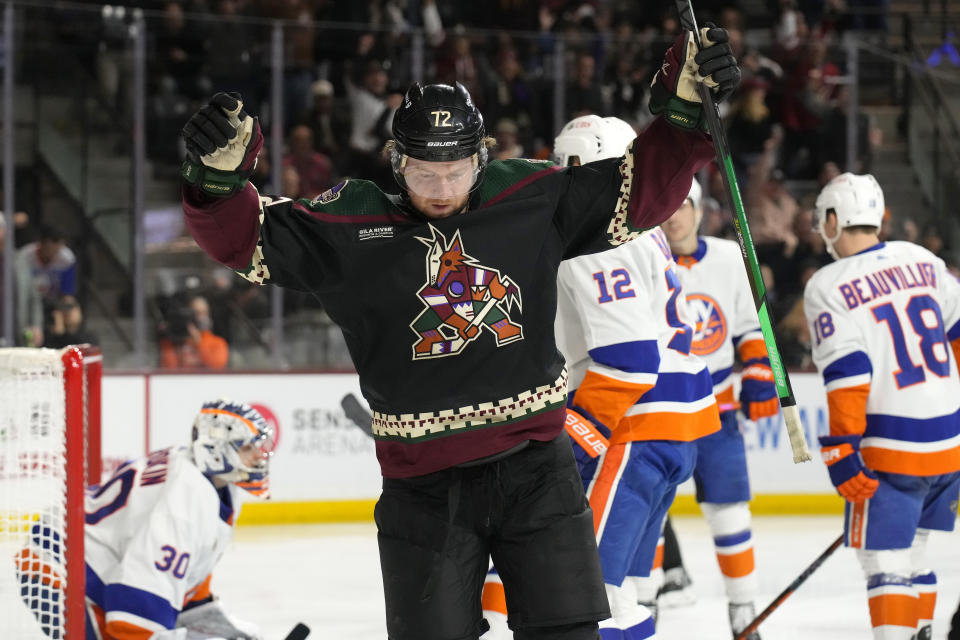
{"x":527,"y":511}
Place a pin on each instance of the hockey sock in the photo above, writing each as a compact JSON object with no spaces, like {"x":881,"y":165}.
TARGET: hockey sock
{"x":494,"y":605}
{"x":926,"y":586}
{"x":733,"y":542}
{"x":893,"y":606}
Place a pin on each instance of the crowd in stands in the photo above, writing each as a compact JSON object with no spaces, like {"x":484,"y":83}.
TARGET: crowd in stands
{"x":347,"y":63}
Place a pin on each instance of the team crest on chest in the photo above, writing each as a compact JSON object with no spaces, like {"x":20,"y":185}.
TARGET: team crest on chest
{"x":711,"y":327}
{"x":462,"y":298}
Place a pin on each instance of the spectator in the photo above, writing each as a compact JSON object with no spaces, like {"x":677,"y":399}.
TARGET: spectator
{"x":232,"y":60}
{"x":510,"y":95}
{"x":932,"y":239}
{"x":189,"y":341}
{"x":67,"y":325}
{"x":833,"y":132}
{"x":628,"y":88}
{"x":792,"y":330}
{"x":330,"y":126}
{"x":750,"y":125}
{"x":507,"y":145}
{"x":583,"y":94}
{"x":372,"y":109}
{"x":178,"y":52}
{"x":45,"y":270}
{"x":810,"y":82}
{"x":460,"y":64}
{"x":771,"y":209}
{"x":290,"y":179}
{"x":314,"y":168}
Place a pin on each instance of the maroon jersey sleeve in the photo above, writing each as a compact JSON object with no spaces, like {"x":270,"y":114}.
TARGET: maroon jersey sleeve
{"x":609,"y":202}
{"x":227,"y":229}
{"x":664,"y":161}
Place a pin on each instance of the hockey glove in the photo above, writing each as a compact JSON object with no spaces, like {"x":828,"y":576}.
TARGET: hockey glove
{"x":591,"y":438}
{"x":853,"y":480}
{"x":673,"y":91}
{"x":211,"y":618}
{"x":758,"y":393}
{"x":222,"y":146}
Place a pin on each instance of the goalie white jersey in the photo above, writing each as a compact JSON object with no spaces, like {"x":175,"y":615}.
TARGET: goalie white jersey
{"x":154,"y":532}
{"x":623,"y":327}
{"x":882,"y":322}
{"x":721,"y":304}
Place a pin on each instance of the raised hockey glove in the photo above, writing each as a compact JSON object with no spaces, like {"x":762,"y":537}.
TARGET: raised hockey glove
{"x":222,"y":146}
{"x":673,"y":91}
{"x":853,"y":480}
{"x":758,"y":393}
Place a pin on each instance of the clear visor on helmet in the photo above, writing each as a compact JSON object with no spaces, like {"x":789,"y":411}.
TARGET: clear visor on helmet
{"x":439,"y":180}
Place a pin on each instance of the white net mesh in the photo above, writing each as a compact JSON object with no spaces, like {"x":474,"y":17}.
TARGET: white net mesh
{"x":32,"y":493}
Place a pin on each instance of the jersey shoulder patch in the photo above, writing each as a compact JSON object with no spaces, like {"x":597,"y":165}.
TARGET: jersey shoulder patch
{"x":352,"y":197}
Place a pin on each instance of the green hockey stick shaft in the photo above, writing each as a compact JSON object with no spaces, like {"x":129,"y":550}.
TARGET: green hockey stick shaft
{"x":791,"y":415}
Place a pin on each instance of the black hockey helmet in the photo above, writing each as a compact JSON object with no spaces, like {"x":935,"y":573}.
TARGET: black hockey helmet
{"x":437,"y":123}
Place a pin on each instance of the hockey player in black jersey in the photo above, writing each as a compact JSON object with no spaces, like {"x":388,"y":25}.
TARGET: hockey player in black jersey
{"x":446,"y":295}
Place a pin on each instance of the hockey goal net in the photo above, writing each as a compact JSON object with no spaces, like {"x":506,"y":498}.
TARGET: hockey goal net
{"x":49,"y":452}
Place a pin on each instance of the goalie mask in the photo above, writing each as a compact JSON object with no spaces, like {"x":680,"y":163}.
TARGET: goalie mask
{"x":439,"y":149}
{"x":855,"y":200}
{"x":590,"y":138}
{"x":233,"y":442}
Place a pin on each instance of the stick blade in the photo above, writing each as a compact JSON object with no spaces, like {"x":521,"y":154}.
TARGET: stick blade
{"x":357,"y":414}
{"x":299,"y":632}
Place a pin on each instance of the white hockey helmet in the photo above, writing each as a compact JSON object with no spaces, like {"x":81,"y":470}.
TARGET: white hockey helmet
{"x":590,"y":138}
{"x":220,"y":431}
{"x":856,"y":200}
{"x":695,"y":196}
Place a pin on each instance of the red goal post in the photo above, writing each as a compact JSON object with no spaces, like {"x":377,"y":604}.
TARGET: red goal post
{"x":49,"y":452}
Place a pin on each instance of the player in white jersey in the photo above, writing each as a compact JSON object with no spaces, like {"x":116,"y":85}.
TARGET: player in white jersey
{"x":155,"y":530}
{"x":885,"y":325}
{"x":638,"y":399}
{"x":719,"y":298}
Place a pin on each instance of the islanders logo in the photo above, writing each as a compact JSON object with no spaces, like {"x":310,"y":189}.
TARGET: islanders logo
{"x":461,"y":298}
{"x":711,"y":325}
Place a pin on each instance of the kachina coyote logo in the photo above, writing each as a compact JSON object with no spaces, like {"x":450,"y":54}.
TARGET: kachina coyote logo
{"x":461,"y":297}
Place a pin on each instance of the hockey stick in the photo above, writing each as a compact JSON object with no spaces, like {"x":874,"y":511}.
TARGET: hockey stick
{"x":799,"y":580}
{"x":791,"y":416}
{"x":357,"y":414}
{"x":299,"y":632}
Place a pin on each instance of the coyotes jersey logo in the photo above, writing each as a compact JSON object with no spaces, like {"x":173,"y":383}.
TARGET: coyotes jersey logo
{"x":461,"y":298}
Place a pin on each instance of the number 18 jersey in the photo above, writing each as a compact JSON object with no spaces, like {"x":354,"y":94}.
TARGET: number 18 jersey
{"x":882,"y":322}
